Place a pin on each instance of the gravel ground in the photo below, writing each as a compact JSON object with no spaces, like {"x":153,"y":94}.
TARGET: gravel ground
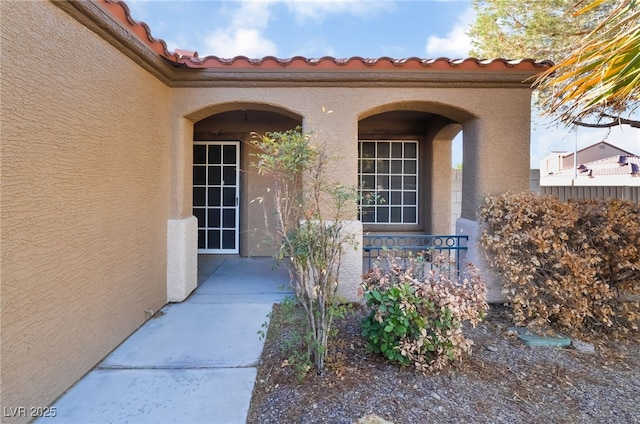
{"x":502,"y":381}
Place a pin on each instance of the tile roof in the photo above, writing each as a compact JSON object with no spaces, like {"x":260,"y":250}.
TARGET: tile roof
{"x":627,"y":165}
{"x":190,"y":59}
{"x":592,"y":146}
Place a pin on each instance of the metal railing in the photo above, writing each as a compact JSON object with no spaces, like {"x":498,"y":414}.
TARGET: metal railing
{"x":375,"y":246}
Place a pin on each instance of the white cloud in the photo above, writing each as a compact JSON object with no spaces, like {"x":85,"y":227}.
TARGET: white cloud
{"x":456,"y":43}
{"x":318,"y":9}
{"x":246,"y":31}
{"x":244,"y":35}
{"x":240,"y":42}
{"x":315,"y":48}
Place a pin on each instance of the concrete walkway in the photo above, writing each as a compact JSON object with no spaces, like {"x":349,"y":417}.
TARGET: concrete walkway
{"x":195,"y":362}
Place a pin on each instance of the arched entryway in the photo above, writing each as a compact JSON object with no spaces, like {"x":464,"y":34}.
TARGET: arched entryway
{"x":226,"y":188}
{"x":404,"y":169}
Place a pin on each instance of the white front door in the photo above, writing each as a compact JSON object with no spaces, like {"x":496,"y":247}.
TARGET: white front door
{"x":216,"y":187}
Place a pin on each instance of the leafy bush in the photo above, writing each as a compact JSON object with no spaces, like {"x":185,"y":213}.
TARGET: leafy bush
{"x":418,"y":308}
{"x":310,"y":235}
{"x":574,"y":265}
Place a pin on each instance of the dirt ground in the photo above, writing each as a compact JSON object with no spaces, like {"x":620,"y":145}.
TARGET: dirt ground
{"x":502,"y":381}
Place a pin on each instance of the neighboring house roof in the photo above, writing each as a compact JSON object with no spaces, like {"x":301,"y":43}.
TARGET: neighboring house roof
{"x":615,"y":165}
{"x":595,"y":146}
{"x":190,"y":59}
{"x":623,"y":165}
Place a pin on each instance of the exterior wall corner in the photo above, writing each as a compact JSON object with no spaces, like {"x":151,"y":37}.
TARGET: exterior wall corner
{"x":350,"y":288}
{"x":182,"y":258}
{"x":471,"y":228}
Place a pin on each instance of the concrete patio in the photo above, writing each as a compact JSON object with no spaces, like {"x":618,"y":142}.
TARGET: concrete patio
{"x":193,"y":362}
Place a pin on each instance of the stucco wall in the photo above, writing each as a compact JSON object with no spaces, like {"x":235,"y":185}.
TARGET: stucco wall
{"x":495,"y":122}
{"x":85,"y":198}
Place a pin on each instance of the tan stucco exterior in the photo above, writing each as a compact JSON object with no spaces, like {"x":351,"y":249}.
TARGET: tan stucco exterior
{"x":85,"y":177}
{"x":495,"y":124}
{"x":97,"y":154}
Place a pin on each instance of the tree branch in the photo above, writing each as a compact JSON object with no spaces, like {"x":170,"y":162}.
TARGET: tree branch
{"x":615,"y":121}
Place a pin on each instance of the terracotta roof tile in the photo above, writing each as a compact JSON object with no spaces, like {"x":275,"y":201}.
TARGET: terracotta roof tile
{"x":360,"y":63}
{"x":614,"y":165}
{"x":190,"y":59}
{"x":122,"y":13}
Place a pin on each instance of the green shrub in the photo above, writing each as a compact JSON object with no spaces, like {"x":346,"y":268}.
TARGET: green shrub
{"x":418,"y":308}
{"x":572,"y":265}
{"x":309,"y":235}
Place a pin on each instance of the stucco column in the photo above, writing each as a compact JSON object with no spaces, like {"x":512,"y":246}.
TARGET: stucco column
{"x":496,"y":152}
{"x":339,"y":133}
{"x":496,"y":160}
{"x":440,"y":169}
{"x":182,"y":227}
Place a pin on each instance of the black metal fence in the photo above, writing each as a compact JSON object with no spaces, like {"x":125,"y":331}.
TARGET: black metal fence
{"x":454,"y":247}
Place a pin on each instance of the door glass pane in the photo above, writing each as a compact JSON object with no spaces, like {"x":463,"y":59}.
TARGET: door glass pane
{"x":229,"y":218}
{"x":228,"y":239}
{"x":214,"y":196}
{"x":199,"y":175}
{"x":229,"y":196}
{"x":214,"y":175}
{"x":199,"y":154}
{"x":229,"y":175}
{"x":213,"y":241}
{"x":199,"y":213}
{"x":229,"y":154}
{"x":215,"y":154}
{"x":202,"y":242}
{"x":214,"y":218}
{"x":199,"y":196}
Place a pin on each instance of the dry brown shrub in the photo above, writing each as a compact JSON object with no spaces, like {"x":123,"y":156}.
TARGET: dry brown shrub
{"x":573,"y":265}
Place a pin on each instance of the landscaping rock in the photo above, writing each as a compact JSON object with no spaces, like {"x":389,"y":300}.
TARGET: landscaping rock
{"x":583,"y":347}
{"x":372,"y":419}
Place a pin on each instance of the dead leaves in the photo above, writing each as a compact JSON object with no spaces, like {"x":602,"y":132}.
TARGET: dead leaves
{"x":565,"y":264}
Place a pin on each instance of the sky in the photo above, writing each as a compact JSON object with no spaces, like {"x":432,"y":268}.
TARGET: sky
{"x":346,"y":28}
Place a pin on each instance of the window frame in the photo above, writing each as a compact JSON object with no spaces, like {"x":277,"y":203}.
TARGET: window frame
{"x":417,"y":204}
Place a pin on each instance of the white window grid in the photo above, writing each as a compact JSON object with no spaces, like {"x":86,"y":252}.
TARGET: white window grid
{"x":388,"y":181}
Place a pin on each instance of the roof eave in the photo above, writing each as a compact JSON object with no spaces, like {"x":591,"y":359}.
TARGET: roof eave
{"x":93,"y":15}
{"x":112,"y":20}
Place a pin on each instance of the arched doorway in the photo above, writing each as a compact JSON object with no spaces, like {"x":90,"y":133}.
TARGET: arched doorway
{"x":224,"y":182}
{"x":404,"y":171}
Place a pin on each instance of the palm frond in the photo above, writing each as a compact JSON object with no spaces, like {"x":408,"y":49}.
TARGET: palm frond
{"x":603,"y":72}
